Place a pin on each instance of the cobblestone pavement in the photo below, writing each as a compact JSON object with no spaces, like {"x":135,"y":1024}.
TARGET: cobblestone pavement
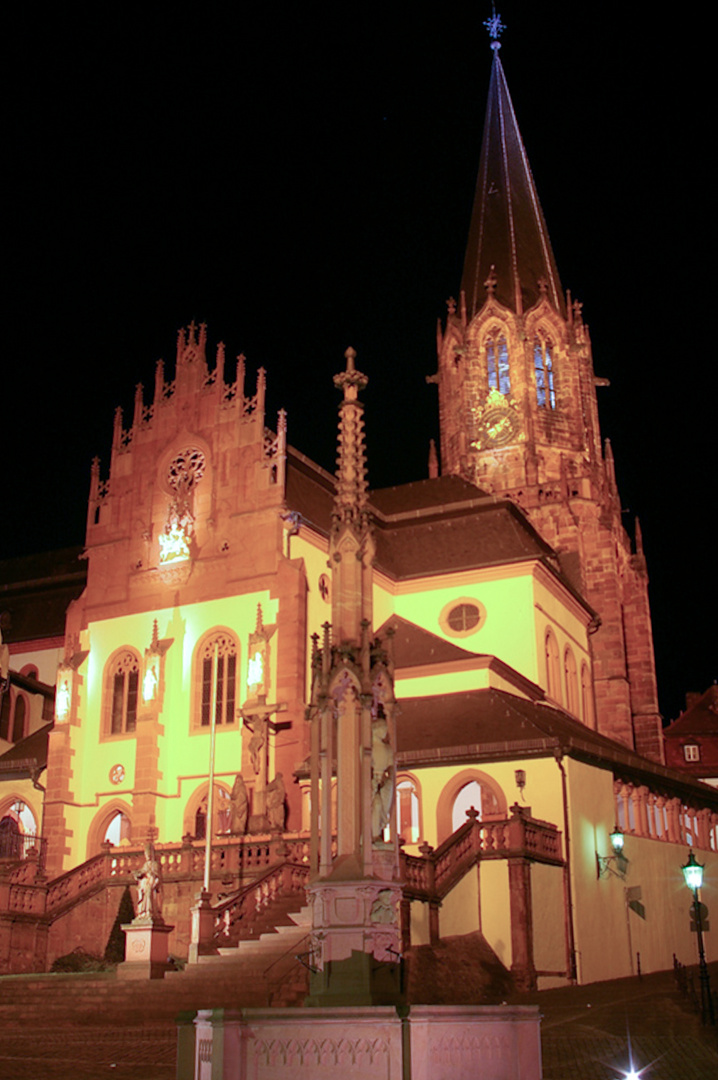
{"x":90,"y":1053}
{"x":596,"y":1032}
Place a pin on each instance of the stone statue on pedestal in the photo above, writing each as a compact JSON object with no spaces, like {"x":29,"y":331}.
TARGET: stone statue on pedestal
{"x":149,"y":887}
{"x":240,"y":806}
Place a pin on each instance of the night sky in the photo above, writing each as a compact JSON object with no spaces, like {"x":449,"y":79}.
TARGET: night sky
{"x":301,"y":179}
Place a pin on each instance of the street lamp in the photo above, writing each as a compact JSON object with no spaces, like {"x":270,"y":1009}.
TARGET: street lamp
{"x":693,"y":877}
{"x":603,"y":862}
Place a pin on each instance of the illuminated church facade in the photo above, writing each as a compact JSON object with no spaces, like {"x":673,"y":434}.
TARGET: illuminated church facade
{"x":514,"y":605}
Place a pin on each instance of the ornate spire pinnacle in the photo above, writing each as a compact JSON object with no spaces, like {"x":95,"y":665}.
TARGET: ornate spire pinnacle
{"x":351,"y":497}
{"x":508,"y":230}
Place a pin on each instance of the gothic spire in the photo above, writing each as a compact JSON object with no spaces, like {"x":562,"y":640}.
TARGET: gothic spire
{"x":508,"y":232}
{"x":351,"y":497}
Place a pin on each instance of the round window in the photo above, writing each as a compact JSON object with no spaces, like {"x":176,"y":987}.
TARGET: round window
{"x":461,"y":617}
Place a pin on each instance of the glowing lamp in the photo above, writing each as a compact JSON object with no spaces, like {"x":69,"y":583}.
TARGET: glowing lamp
{"x":62,"y":701}
{"x":693,"y":872}
{"x":617,"y":840}
{"x":150,"y":683}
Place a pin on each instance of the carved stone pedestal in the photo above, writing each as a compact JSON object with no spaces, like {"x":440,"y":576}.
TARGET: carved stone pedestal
{"x":356,"y":943}
{"x":146,"y":950}
{"x":202,"y":931}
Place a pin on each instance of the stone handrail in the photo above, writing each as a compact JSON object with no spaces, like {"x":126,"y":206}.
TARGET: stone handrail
{"x":27,"y":891}
{"x":431,"y":875}
{"x":238,"y":911}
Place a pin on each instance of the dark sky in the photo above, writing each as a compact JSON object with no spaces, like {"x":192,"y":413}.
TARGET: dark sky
{"x":301,"y":179}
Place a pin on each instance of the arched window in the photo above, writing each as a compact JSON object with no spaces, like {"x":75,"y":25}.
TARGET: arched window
{"x":543,"y":367}
{"x":587,"y":696}
{"x":16,"y":823}
{"x":121,"y":693}
{"x":12,"y":716}
{"x":196,"y":814}
{"x":553,"y":678}
{"x":18,"y":723}
{"x":571,"y":681}
{"x":217,"y":674}
{"x":118,"y":829}
{"x":497,"y":363}
{"x":478,"y":795}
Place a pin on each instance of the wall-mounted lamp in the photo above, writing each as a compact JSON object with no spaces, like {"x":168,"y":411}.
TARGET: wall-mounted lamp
{"x":603,"y":862}
{"x":520,"y":777}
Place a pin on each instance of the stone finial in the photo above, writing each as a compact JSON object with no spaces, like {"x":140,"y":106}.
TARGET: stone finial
{"x":639,"y":538}
{"x":490,"y":283}
{"x":543,"y":286}
{"x":451,"y":305}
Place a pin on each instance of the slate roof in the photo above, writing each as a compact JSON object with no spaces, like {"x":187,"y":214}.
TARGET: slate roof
{"x":508,"y":230}
{"x":26,"y":756}
{"x":427,"y":527}
{"x":492,"y":725}
{"x":413,"y":646}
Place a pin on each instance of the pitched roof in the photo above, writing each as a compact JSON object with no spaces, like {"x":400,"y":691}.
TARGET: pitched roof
{"x":700,"y":719}
{"x":26,"y":756}
{"x":413,"y":646}
{"x":507,"y":230}
{"x":492,"y":725}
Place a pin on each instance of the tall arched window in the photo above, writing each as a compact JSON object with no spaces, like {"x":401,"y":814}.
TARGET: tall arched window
{"x":543,"y":367}
{"x":218,"y":670}
{"x":497,"y":363}
{"x":587,"y":696}
{"x":571,"y":681}
{"x":121,"y":693}
{"x":553,"y":676}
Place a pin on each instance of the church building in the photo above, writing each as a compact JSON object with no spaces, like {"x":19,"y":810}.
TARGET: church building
{"x":501,"y":595}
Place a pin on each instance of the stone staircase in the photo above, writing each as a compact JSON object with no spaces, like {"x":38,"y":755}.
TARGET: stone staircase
{"x":69,"y":1026}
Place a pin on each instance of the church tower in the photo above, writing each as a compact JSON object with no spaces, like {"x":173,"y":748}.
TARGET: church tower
{"x":519,"y":417}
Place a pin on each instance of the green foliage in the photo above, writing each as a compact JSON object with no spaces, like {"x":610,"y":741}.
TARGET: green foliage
{"x":115,"y":948}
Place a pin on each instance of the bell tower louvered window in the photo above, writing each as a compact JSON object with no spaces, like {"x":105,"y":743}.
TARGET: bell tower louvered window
{"x":497,"y":362}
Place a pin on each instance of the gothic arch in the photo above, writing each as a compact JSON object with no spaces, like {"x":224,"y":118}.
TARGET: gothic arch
{"x":447,"y":798}
{"x":7,"y":809}
{"x":226,"y":678}
{"x":198,"y":798}
{"x":101,"y":823}
{"x":121,"y":693}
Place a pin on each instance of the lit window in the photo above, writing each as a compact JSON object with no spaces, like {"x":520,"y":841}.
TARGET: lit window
{"x":407,"y":810}
{"x":118,"y":830}
{"x":543,"y":367}
{"x":497,"y":361}
{"x":218,"y":674}
{"x":692,"y":752}
{"x":122,"y":691}
{"x":481,"y":797}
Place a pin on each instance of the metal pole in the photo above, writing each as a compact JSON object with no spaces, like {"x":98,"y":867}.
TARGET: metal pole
{"x":210,"y":793}
{"x":707,"y":1016}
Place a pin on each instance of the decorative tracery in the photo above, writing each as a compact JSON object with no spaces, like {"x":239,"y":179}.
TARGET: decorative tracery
{"x":497,"y":363}
{"x":543,"y":367}
{"x":218,"y":674}
{"x":122,"y":690}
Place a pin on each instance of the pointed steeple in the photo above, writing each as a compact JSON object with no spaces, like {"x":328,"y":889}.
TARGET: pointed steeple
{"x":508,"y":238}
